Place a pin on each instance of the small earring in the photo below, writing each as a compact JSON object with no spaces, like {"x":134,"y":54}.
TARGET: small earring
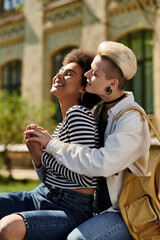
{"x":82,"y":98}
{"x":108,"y":90}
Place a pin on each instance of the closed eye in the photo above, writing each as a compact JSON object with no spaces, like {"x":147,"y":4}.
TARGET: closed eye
{"x":69,"y":73}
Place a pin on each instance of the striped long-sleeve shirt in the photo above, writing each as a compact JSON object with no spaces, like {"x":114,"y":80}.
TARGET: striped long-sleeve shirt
{"x":79,"y":127}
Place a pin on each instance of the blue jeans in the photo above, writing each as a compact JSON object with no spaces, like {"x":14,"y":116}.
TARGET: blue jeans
{"x":105,"y":226}
{"x":49,"y":213}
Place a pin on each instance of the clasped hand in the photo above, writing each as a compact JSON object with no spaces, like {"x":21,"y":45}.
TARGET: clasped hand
{"x":35,"y":133}
{"x":36,"y":140}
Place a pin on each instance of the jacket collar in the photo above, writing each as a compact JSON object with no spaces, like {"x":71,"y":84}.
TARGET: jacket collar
{"x":129,"y":99}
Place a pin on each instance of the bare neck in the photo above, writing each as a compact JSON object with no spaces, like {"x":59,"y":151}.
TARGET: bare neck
{"x":65,"y":105}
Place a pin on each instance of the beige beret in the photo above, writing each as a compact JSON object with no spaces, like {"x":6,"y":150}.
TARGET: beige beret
{"x":121,"y":55}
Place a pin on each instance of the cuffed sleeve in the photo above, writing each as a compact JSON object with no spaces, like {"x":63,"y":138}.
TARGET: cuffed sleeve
{"x":41,"y":172}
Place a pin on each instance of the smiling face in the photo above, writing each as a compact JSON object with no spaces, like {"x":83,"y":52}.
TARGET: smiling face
{"x":68,"y":82}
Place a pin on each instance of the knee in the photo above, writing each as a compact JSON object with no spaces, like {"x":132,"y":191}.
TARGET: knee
{"x":12,"y":227}
{"x":75,"y":235}
{"x":5,"y":229}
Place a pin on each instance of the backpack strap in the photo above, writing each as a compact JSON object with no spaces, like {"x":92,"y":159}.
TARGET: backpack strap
{"x":143,"y":113}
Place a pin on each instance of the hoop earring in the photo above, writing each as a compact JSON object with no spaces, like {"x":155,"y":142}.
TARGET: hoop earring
{"x":108,"y":90}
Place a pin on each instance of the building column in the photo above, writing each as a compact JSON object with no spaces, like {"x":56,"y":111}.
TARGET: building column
{"x":94,"y":28}
{"x":156,"y":69}
{"x":32,"y":82}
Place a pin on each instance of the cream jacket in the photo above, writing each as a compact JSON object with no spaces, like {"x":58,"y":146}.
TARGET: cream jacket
{"x":126,"y":145}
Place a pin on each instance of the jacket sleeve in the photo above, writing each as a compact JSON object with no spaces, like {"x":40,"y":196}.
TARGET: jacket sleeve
{"x":129,"y":141}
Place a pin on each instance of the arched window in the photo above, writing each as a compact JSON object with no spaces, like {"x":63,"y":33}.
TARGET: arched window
{"x":11,"y":77}
{"x":142,"y":83}
{"x":57,"y":64}
{"x":58,"y":58}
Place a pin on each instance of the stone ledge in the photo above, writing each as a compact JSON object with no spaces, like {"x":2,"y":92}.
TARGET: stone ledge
{"x":23,"y":147}
{"x":14,"y":148}
{"x":20,"y":173}
{"x":21,"y":159}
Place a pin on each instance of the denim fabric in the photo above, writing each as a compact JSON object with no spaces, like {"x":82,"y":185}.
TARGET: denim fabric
{"x":49,"y":213}
{"x":15,"y":202}
{"x":106,"y":226}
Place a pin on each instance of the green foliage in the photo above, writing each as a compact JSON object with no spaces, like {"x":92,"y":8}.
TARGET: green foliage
{"x":12,"y":117}
{"x":16,"y":113}
{"x":8,"y":184}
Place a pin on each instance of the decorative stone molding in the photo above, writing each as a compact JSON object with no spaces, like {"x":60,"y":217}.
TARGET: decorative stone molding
{"x":12,"y":41}
{"x":11,"y":27}
{"x":66,"y":15}
{"x":10,"y":17}
{"x":119,"y":7}
{"x":11,"y":33}
{"x":57,"y":4}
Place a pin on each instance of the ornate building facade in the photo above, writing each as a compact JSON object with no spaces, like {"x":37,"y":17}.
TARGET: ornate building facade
{"x":35,"y":35}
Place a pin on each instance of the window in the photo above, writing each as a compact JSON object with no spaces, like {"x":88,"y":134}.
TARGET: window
{"x":142,"y":83}
{"x":57,"y":63}
{"x":8,"y":5}
{"x":11,"y":77}
{"x":58,"y":59}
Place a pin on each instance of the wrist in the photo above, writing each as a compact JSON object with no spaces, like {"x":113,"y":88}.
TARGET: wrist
{"x":38,"y":165}
{"x":37,"y":162}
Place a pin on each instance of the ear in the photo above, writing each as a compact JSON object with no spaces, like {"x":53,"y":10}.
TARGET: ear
{"x":83,"y":91}
{"x":114,"y":83}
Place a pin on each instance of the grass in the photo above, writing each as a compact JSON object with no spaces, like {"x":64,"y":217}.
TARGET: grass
{"x":13,"y":185}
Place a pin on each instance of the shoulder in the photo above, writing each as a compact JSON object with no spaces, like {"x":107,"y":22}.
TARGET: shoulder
{"x":132,"y":117}
{"x":80,"y":115}
{"x":79,"y":110}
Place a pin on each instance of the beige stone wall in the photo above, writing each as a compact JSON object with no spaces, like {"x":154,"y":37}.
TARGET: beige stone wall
{"x":11,"y":52}
{"x":95,"y":23}
{"x":32,"y":79}
{"x":156,"y":68}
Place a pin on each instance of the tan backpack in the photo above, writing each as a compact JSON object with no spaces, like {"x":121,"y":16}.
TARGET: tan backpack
{"x":139,"y":202}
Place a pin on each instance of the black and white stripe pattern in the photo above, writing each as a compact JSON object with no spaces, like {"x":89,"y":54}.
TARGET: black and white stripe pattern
{"x":78,"y":127}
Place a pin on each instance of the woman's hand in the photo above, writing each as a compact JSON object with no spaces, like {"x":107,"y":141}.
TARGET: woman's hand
{"x":38,"y":135}
{"x":34,"y":126}
{"x":35,"y":152}
{"x":34,"y":148}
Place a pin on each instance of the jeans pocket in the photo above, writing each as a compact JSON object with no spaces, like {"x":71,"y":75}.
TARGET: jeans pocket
{"x":38,"y":195}
{"x":81,"y":203}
